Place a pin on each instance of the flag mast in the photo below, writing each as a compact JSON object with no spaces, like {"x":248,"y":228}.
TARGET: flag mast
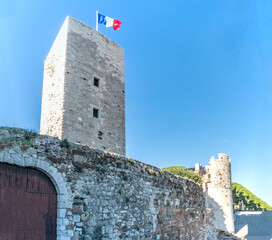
{"x":96,"y":20}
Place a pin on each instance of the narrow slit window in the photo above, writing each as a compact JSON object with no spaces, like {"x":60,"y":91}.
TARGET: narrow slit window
{"x":96,"y":82}
{"x":95,"y":112}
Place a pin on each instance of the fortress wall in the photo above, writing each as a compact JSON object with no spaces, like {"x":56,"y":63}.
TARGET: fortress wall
{"x":90,"y":54}
{"x":107,"y":196}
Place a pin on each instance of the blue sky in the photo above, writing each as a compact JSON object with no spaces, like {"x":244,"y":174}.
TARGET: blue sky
{"x":198,"y":77}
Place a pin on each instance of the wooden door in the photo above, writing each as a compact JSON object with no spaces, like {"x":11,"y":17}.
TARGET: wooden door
{"x":28,"y":204}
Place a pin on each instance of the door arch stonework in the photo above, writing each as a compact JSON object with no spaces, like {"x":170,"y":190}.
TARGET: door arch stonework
{"x":28,"y":204}
{"x":58,"y":180}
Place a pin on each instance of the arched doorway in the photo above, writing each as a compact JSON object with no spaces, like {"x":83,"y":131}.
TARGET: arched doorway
{"x":28,"y":204}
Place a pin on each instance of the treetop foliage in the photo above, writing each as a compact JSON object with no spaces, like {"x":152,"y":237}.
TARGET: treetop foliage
{"x":251,"y":202}
{"x":181,"y":171}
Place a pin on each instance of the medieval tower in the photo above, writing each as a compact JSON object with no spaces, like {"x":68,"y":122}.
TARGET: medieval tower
{"x":218,"y":188}
{"x":83,"y":97}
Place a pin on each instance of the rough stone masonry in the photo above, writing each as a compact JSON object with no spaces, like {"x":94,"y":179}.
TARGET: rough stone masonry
{"x":83,"y":97}
{"x":106,"y":196}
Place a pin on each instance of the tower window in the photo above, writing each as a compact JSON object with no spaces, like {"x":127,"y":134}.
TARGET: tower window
{"x":95,"y":112}
{"x":96,"y":82}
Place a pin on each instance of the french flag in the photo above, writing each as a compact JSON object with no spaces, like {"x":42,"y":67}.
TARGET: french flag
{"x":109,"y":22}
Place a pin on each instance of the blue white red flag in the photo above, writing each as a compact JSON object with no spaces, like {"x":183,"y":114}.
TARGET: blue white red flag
{"x":109,"y":22}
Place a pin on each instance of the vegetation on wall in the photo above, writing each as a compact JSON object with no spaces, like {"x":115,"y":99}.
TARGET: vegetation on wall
{"x":251,"y":202}
{"x":240,"y":193}
{"x":25,"y":137}
{"x":184,"y":172}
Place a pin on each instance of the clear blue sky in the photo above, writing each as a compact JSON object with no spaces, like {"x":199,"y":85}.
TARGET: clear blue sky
{"x":198,"y":76}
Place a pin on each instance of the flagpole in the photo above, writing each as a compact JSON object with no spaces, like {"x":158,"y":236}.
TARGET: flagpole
{"x":96,"y":20}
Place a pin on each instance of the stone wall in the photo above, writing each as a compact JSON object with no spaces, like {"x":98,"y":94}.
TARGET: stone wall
{"x":80,"y":54}
{"x":53,"y":85}
{"x":107,"y":196}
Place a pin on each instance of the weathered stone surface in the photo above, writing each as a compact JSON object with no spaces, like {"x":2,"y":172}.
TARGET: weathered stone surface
{"x":113,"y":197}
{"x":219,"y":191}
{"x":78,"y":55}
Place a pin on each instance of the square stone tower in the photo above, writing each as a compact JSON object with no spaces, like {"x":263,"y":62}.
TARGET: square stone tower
{"x":83,"y":97}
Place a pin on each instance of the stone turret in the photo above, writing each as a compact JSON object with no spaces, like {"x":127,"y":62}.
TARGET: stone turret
{"x":217,"y":184}
{"x":84,"y":89}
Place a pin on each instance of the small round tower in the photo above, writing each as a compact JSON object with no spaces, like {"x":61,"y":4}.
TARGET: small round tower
{"x":219,"y":191}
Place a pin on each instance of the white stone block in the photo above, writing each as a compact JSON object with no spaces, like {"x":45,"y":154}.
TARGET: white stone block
{"x":30,"y":162}
{"x":62,"y":213}
{"x":18,"y":160}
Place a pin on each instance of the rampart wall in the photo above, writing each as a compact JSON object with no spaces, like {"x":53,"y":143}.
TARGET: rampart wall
{"x":108,"y":196}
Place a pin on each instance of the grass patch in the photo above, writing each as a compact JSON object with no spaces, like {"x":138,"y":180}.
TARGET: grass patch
{"x":30,"y":134}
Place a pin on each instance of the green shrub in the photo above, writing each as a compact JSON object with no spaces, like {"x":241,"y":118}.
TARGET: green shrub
{"x":64,"y":143}
{"x":184,"y":172}
{"x":30,"y":134}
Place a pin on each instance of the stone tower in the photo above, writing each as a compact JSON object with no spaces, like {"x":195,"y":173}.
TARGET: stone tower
{"x":83,"y":97}
{"x":219,"y":191}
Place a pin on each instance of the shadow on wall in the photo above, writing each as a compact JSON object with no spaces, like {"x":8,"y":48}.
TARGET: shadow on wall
{"x":218,"y":212}
{"x":254,"y":225}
